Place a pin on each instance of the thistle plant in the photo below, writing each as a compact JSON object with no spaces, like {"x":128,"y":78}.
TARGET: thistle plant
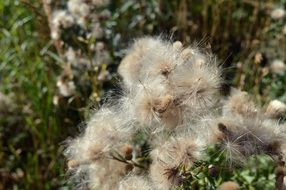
{"x":171,"y":126}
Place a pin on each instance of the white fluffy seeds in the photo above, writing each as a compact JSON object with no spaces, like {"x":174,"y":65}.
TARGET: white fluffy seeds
{"x":169,"y":90}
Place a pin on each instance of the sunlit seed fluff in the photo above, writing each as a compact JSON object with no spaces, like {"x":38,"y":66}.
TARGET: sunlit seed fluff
{"x":107,"y":174}
{"x":133,"y":182}
{"x":131,"y":65}
{"x":187,"y":53}
{"x":177,"y":45}
{"x":192,"y":55}
{"x":161,"y":62}
{"x":241,"y":137}
{"x":90,"y":153}
{"x":170,"y":159}
{"x":196,"y":84}
{"x":275,"y":108}
{"x":239,"y":102}
{"x":152,"y":105}
{"x":229,"y":185}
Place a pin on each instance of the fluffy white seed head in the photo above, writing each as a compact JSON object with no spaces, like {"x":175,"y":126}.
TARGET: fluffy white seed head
{"x":107,"y":174}
{"x":240,"y":103}
{"x":91,"y":153}
{"x":131,"y":65}
{"x":161,"y":62}
{"x":241,"y":137}
{"x":176,"y":89}
{"x":177,"y":46}
{"x":170,"y":85}
{"x":195,"y":85}
{"x":170,"y":158}
{"x":275,"y":108}
{"x":153,"y":104}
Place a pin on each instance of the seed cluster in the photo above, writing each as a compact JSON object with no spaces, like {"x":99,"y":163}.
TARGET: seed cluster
{"x":171,"y":94}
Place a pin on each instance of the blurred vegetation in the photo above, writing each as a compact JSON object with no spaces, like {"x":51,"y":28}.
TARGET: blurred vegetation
{"x":30,"y":134}
{"x":32,"y":127}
